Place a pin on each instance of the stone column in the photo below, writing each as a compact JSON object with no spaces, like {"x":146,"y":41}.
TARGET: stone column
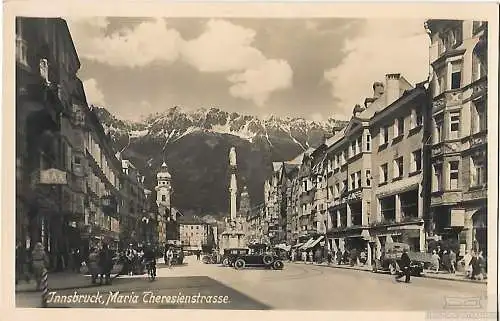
{"x":422,"y":239}
{"x":469,"y":232}
{"x":398,"y":208}
{"x":349,"y":217}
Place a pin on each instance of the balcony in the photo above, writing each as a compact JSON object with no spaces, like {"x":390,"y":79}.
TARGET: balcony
{"x":476,"y":193}
{"x":448,"y":98}
{"x":478,"y":139}
{"x":445,"y":148}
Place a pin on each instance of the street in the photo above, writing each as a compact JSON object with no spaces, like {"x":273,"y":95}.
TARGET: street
{"x":297,"y":287}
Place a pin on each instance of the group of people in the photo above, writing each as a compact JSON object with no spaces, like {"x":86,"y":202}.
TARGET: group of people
{"x":351,"y":257}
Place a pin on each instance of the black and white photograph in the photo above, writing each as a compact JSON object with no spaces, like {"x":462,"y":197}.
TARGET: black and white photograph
{"x":235,"y":162}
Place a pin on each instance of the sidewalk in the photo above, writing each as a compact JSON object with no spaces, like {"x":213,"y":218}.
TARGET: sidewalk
{"x":458,"y":277}
{"x":64,"y":281}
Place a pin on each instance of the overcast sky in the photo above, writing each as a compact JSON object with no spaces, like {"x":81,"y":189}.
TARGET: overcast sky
{"x":314,"y":68}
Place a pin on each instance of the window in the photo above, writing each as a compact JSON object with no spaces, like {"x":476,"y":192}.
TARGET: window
{"x":442,"y":82}
{"x":454,"y":175}
{"x":384,"y":135}
{"x":438,"y":134}
{"x":456,"y":75}
{"x":478,"y":68}
{"x":368,"y":143}
{"x":416,"y":160}
{"x":337,"y":190}
{"x":479,"y":122}
{"x":353,"y":148}
{"x":437,"y":180}
{"x":400,"y":127}
{"x":353,"y":181}
{"x":358,"y":178}
{"x":416,"y":118}
{"x":368,"y":177}
{"x":398,"y":167}
{"x":478,"y":173}
{"x":383,"y":173}
{"x":163,"y":198}
{"x":345,"y":186}
{"x":454,"y":125}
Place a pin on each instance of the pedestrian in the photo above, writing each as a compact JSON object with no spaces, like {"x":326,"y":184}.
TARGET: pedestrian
{"x":170,"y":257}
{"x":40,"y":263}
{"x":354,"y":256}
{"x":105,"y":264}
{"x":466,"y":264}
{"x":476,"y":267}
{"x":339,"y":257}
{"x":198,"y":255}
{"x":304,"y":256}
{"x":453,"y":261}
{"x":405,"y":266}
{"x":94,"y":269}
{"x":21,"y":263}
{"x":446,"y":261}
{"x":435,"y":261}
{"x":311,"y":257}
{"x":329,"y":257}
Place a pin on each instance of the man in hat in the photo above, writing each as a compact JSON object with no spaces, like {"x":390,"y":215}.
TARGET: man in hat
{"x":405,"y":266}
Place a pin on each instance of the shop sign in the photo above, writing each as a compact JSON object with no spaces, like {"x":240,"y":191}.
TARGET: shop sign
{"x":457,"y":217}
{"x":53,"y":176}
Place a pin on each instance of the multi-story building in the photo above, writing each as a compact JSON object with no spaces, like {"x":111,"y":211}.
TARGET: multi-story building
{"x":103,"y":183}
{"x":53,"y":121}
{"x":133,"y":204}
{"x":194,"y":233}
{"x":397,"y":182}
{"x":458,"y":202}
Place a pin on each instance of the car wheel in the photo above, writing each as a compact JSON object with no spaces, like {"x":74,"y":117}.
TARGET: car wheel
{"x":225,"y":262}
{"x":239,"y":264}
{"x":392,"y":269}
{"x":278,"y":265}
{"x":268,"y":259}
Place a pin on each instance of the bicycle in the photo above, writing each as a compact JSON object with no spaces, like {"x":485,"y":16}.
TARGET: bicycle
{"x":151,"y":268}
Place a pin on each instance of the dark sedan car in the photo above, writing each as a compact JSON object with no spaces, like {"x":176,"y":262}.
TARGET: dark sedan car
{"x":230,"y":255}
{"x":269,"y":261}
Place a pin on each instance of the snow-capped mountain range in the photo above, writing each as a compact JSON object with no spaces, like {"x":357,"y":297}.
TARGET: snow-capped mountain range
{"x":177,"y":123}
{"x":195,"y":145}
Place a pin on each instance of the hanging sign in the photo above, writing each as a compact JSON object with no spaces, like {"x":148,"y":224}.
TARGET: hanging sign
{"x":53,"y":176}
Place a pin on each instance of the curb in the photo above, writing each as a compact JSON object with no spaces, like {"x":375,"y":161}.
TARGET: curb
{"x":427,"y":276}
{"x":84,"y":286}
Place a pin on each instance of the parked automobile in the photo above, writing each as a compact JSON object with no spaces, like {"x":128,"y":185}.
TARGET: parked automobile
{"x":230,"y":255}
{"x":391,"y":256}
{"x":267,"y":260}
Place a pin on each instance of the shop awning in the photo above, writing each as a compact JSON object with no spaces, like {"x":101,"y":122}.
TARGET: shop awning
{"x":297,"y":245}
{"x":315,"y":242}
{"x":307,"y":244}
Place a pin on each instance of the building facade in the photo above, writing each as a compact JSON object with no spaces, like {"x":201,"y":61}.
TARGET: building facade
{"x":458,"y":202}
{"x":194,"y":234}
{"x":133,"y":205}
{"x":66,"y":173}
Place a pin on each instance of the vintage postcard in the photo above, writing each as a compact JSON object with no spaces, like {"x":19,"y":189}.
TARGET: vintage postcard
{"x":330,"y":158}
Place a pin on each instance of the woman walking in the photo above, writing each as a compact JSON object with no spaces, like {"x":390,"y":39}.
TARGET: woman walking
{"x":40,"y":263}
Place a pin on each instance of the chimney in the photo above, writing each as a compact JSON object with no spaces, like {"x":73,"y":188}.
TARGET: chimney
{"x":392,"y":88}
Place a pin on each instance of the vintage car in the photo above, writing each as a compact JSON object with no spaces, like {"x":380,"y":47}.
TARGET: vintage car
{"x":391,"y":256}
{"x":267,"y":260}
{"x":230,"y":255}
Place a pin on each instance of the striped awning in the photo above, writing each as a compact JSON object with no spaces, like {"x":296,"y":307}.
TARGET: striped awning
{"x":307,"y":244}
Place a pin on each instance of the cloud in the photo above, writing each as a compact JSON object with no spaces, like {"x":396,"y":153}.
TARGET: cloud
{"x":381,"y":47}
{"x":222,"y":47}
{"x":317,"y":117}
{"x":144,"y":44}
{"x":93,"y":93}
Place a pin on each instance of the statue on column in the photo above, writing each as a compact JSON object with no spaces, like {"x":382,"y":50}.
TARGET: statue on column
{"x":232,"y":157}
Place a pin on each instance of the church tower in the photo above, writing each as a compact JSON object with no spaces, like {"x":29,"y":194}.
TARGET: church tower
{"x":163,"y":190}
{"x":163,"y":187}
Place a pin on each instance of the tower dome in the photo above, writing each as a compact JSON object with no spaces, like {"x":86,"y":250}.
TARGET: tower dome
{"x":163,"y":173}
